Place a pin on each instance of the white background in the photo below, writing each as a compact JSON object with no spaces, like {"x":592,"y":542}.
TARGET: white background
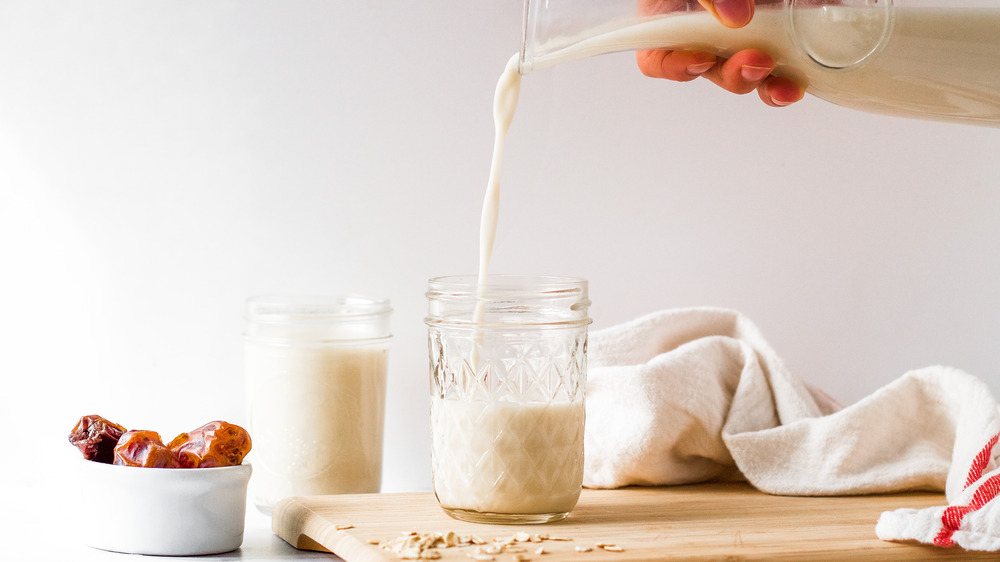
{"x":162,"y":161}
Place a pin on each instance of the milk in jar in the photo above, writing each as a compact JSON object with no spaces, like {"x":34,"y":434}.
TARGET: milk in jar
{"x":316,"y":380}
{"x":508,"y":372}
{"x":504,"y":457}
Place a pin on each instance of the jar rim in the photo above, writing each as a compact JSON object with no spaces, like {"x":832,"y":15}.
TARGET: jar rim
{"x":283,"y":308}
{"x":503,"y":283}
{"x":506,"y":301}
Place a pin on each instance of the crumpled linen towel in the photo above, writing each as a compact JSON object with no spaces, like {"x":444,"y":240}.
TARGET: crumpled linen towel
{"x":692,"y":395}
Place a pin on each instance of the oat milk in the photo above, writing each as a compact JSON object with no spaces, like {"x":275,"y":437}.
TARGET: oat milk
{"x":312,"y":420}
{"x":316,"y":382}
{"x":497,"y":456}
{"x":504,"y":105}
{"x":501,"y":457}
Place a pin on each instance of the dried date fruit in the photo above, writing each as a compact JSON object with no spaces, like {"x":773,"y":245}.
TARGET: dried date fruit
{"x":144,"y":448}
{"x":217,"y":443}
{"x":96,"y":438}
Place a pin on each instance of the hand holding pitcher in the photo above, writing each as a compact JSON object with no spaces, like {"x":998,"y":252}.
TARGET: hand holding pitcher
{"x":742,"y":73}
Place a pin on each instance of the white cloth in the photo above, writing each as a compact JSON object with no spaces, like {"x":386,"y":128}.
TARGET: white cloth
{"x":692,"y":395}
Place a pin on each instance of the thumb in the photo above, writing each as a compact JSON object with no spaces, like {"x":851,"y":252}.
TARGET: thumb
{"x":732,"y":13}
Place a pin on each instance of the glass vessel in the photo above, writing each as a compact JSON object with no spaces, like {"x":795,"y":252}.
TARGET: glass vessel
{"x":508,"y":365}
{"x":316,"y":376}
{"x":930,"y":59}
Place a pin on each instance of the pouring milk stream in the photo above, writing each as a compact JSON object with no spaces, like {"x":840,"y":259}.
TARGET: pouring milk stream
{"x":504,"y":105}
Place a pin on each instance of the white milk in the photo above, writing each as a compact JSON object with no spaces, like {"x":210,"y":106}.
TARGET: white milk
{"x":936,"y":63}
{"x":316,"y":417}
{"x":501,"y":457}
{"x":504,"y":105}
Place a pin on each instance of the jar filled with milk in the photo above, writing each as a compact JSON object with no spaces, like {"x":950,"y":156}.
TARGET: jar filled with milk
{"x":316,"y":377}
{"x":508,"y":362}
{"x":930,"y":59}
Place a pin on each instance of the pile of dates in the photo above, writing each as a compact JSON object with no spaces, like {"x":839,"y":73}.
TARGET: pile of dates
{"x":216,"y":443}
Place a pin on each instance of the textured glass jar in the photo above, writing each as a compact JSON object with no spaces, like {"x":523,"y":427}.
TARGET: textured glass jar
{"x":316,"y":376}
{"x":508,"y":365}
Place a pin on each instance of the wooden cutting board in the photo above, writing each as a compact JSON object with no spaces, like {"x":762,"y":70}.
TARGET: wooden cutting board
{"x":710,"y":521}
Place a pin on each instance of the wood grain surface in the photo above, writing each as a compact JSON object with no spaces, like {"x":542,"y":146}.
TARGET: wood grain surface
{"x":703,"y":522}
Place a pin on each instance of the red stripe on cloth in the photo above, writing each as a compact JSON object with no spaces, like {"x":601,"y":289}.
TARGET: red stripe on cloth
{"x":980,"y":462}
{"x":952,"y":517}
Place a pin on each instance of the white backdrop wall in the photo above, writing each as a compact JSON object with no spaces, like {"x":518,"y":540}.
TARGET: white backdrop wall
{"x":160,"y":161}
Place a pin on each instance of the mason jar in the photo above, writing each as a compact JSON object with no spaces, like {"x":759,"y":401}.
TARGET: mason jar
{"x":508,"y":366}
{"x":316,"y":380}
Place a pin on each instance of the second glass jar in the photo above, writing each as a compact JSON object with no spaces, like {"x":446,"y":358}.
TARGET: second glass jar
{"x":316,"y":380}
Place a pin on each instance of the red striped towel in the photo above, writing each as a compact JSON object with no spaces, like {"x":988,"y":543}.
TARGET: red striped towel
{"x":972,"y":520}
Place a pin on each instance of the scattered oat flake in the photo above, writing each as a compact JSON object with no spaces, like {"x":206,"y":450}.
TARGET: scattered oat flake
{"x":343,"y":527}
{"x":413,"y":545}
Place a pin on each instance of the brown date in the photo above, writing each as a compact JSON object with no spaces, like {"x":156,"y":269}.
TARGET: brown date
{"x":144,"y":448}
{"x":217,"y":443}
{"x":96,"y":438}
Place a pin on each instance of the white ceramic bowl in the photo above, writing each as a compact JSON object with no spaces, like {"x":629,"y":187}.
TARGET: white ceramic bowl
{"x":162,"y":511}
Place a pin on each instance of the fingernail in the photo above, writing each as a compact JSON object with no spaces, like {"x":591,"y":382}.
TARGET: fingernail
{"x":754,"y":73}
{"x":734,"y":13}
{"x":700,"y":68}
{"x":780,"y":103}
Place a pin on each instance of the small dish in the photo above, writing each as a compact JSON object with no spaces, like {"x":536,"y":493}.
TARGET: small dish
{"x":162,"y":511}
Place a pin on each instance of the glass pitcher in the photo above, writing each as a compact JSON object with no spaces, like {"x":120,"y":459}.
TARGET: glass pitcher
{"x":930,"y":59}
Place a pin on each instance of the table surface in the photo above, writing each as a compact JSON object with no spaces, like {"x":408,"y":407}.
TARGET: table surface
{"x":38,"y":525}
{"x":704,"y":521}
